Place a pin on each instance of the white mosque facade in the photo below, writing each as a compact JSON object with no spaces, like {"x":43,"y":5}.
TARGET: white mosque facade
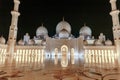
{"x":63,"y":43}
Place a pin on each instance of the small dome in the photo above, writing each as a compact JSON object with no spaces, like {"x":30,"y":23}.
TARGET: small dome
{"x":108,"y":42}
{"x":63,"y":34}
{"x":2,"y":40}
{"x":98,"y":43}
{"x":86,"y":31}
{"x":31,"y":42}
{"x":63,"y":25}
{"x":21,"y":42}
{"x":41,"y":31}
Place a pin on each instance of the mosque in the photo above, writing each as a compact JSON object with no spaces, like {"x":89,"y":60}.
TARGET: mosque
{"x":63,"y":43}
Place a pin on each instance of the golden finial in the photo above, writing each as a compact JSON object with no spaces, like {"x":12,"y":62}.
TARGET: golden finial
{"x":41,"y":24}
{"x":63,"y":18}
{"x":84,"y":24}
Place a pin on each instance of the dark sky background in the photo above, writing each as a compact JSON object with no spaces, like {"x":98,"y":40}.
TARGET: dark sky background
{"x":95,"y":13}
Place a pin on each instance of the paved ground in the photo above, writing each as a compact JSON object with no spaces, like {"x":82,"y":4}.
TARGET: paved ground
{"x":48,"y":69}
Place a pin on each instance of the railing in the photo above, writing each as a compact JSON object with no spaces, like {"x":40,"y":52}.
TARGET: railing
{"x":3,"y":49}
{"x":101,"y":55}
{"x":29,"y":50}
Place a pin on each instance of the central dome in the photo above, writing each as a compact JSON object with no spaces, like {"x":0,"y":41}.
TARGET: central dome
{"x":41,"y":31}
{"x":63,"y":25}
{"x":64,"y":34}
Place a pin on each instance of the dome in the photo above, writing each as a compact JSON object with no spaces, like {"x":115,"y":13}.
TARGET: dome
{"x":41,"y":31}
{"x":63,"y":33}
{"x":108,"y":42}
{"x":21,"y":42}
{"x":63,"y":25}
{"x":98,"y":43}
{"x":86,"y":31}
{"x":2,"y":40}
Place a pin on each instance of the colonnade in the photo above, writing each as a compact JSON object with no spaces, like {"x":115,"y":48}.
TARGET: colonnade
{"x":3,"y":50}
{"x":104,"y":57}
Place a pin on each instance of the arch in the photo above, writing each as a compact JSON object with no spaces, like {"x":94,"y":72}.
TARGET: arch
{"x":72,"y":56}
{"x":56,"y":51}
{"x":64,"y":59}
{"x":72,"y":51}
{"x":64,"y":50}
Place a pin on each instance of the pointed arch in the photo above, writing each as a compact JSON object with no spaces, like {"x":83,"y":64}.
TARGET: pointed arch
{"x":64,"y":49}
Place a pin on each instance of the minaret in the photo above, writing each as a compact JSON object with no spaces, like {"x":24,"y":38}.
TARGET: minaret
{"x":13,"y":28}
{"x":116,"y":25}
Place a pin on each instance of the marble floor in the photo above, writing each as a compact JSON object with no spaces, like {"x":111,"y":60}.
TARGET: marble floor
{"x":54,"y":68}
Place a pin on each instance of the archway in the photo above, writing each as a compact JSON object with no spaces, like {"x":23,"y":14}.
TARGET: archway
{"x":72,"y":55}
{"x":64,"y":50}
{"x":56,"y":56}
{"x":56,"y":51}
{"x":64,"y":59}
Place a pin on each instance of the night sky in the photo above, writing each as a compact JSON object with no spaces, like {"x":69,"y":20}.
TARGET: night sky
{"x":95,"y":13}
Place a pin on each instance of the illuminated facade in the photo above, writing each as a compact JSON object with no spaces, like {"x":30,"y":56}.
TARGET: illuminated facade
{"x":63,"y":44}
